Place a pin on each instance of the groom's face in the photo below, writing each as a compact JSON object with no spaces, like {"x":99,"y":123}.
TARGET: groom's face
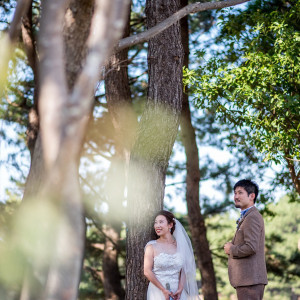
{"x":241,"y":198}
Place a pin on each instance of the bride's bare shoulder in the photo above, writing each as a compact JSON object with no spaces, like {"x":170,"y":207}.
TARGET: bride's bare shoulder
{"x":153,"y":242}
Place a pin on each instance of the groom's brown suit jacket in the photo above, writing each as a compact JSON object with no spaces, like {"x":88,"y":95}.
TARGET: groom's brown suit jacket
{"x":246,"y":262}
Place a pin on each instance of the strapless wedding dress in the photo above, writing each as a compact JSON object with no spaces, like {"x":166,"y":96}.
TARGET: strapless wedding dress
{"x":166,"y":267}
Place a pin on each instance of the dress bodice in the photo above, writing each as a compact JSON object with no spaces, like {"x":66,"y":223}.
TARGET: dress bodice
{"x":167,"y":264}
{"x":166,"y":268}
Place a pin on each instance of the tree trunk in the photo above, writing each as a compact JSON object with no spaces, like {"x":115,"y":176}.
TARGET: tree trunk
{"x":31,"y":289}
{"x":76,"y":28}
{"x":30,"y":49}
{"x":155,"y":139}
{"x":77,"y":24}
{"x":196,"y":219}
{"x":118,"y":96}
{"x":111,"y":274}
{"x":36,"y":164}
{"x":64,"y":115}
{"x":294,"y":175}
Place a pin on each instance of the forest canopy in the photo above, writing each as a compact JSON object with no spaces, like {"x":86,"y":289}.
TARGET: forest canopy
{"x":111,"y":110}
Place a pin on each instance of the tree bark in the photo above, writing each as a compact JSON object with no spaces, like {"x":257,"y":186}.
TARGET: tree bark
{"x":36,"y":171}
{"x":111,"y":274}
{"x":155,"y":139}
{"x":118,"y":96}
{"x":175,"y":17}
{"x":196,"y":219}
{"x":295,"y":177}
{"x":77,"y":24}
{"x":64,"y":114}
{"x":75,"y":29}
{"x":30,"y":48}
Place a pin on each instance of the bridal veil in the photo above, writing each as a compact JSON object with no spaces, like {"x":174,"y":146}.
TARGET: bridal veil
{"x":184,"y":247}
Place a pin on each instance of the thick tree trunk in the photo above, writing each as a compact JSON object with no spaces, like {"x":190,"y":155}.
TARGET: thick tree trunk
{"x":76,"y":28}
{"x":118,"y":96}
{"x":196,"y":219}
{"x":61,"y":189}
{"x":68,"y":251}
{"x":155,"y":139}
{"x":111,"y":274}
{"x":64,"y":116}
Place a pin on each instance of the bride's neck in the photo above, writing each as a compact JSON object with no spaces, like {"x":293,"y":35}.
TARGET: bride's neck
{"x":166,"y":239}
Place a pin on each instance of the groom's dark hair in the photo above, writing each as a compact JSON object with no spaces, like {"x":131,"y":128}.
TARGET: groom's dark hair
{"x":249,"y":185}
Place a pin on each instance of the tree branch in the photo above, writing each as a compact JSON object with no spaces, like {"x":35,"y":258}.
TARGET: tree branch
{"x":21,"y":9}
{"x":21,"y":105}
{"x":189,"y":9}
{"x":291,"y":159}
{"x":96,"y":274}
{"x":29,"y":42}
{"x":295,"y":177}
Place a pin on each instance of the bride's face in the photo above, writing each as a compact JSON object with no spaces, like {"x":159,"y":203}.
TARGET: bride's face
{"x":161,"y":225}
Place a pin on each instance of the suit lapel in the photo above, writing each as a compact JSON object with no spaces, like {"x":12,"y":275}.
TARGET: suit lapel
{"x":242,"y":220}
{"x":246,"y":214}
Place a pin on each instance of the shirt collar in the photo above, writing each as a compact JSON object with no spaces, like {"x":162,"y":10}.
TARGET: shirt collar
{"x":243,"y":212}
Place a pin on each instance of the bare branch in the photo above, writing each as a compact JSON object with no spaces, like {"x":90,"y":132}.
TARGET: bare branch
{"x":96,"y":274}
{"x":29,"y":42}
{"x":98,"y":246}
{"x":175,"y":183}
{"x":21,"y":105}
{"x":292,"y":159}
{"x":15,"y":26}
{"x":189,"y":9}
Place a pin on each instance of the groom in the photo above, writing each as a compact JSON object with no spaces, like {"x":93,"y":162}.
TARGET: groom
{"x":246,"y":258}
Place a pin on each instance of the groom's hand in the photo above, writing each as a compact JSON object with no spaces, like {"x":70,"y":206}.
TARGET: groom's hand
{"x":227,"y":247}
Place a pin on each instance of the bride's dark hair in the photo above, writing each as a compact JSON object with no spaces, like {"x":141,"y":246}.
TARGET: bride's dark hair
{"x":170,"y":218}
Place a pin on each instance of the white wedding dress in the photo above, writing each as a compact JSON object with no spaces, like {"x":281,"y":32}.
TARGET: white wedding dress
{"x":167,"y":266}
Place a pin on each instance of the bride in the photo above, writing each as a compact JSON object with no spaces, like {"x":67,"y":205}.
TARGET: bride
{"x":169,"y":261}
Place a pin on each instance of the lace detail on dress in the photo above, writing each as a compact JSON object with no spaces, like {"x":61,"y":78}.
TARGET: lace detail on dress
{"x":167,"y":268}
{"x":167,"y":264}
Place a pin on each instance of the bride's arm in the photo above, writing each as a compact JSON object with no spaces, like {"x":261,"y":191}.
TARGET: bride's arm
{"x":148,"y":266}
{"x":181,"y":283}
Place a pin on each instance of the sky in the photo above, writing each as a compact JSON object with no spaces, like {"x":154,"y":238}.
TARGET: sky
{"x":6,"y":168}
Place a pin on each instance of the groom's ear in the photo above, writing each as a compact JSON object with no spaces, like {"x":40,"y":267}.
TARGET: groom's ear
{"x":252,"y":197}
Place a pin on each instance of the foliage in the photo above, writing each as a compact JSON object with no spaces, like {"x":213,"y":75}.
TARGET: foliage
{"x":100,"y":142}
{"x":91,"y":286}
{"x":7,"y":209}
{"x":260,"y":91}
